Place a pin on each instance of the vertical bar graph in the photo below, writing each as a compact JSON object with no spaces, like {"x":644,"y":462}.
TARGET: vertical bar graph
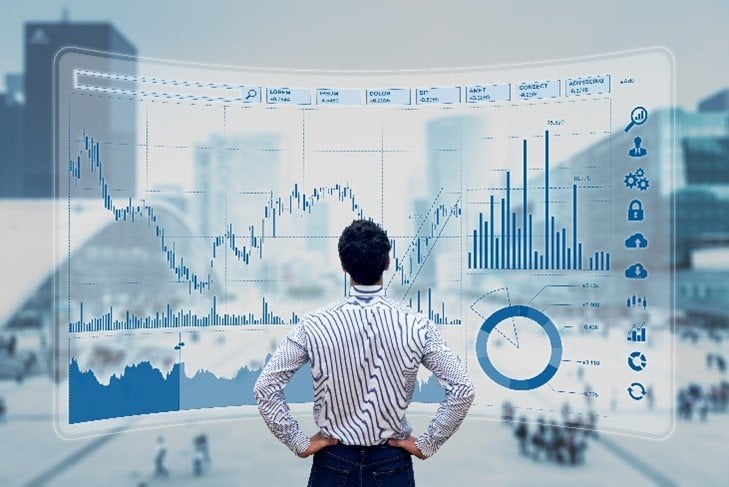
{"x":436,"y":313}
{"x":180,"y":318}
{"x":516,"y":247}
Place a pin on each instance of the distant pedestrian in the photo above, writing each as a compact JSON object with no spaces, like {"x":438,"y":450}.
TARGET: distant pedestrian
{"x":556,"y":443}
{"x":720,"y":363}
{"x":159,"y":459}
{"x":571,"y":446}
{"x":201,"y":456}
{"x":197,"y":463}
{"x":703,"y":409}
{"x":522,"y":434}
{"x":507,"y":412}
{"x":539,"y":441}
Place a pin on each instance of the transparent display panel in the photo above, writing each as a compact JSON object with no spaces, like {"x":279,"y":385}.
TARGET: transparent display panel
{"x":199,"y":209}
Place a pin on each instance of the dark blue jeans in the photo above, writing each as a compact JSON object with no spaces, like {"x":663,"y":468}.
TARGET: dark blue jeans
{"x":362,"y":466}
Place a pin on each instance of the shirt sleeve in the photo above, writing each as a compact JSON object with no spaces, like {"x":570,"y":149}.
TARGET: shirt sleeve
{"x":268,"y":390}
{"x":459,"y":392}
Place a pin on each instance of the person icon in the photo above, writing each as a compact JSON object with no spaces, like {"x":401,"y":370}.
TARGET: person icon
{"x":637,"y":151}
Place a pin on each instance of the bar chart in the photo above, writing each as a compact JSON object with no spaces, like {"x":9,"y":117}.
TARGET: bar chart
{"x":506,"y":238}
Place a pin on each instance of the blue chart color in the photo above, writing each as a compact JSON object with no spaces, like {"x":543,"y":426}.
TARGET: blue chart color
{"x":176,"y":319}
{"x":512,"y":245}
{"x":144,"y":389}
{"x":439,"y":317}
{"x":542,"y":320}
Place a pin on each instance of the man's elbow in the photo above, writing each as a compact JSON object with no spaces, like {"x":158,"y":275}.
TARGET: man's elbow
{"x":466,"y":393}
{"x":470,"y":393}
{"x":259,"y":390}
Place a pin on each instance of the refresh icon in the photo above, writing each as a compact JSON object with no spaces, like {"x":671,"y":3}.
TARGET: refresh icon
{"x":636,"y":391}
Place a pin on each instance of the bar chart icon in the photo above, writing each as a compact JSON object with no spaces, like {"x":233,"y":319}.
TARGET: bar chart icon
{"x":637,"y":334}
{"x":636,"y":302}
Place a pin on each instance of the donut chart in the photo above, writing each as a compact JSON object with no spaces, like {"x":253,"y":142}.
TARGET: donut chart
{"x":540,"y":319}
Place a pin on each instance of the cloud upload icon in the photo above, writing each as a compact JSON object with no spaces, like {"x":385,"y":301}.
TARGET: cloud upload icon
{"x":636,"y":241}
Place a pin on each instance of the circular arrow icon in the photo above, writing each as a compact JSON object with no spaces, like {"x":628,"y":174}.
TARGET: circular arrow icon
{"x":637,"y":391}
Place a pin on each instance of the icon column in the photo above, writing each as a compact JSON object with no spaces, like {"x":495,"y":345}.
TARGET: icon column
{"x":636,"y":243}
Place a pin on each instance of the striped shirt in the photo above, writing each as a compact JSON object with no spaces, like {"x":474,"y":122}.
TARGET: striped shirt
{"x":364,"y":351}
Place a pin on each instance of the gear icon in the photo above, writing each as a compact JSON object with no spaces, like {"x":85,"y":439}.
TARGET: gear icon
{"x":630,"y":180}
{"x":640,"y":172}
{"x":643,"y":184}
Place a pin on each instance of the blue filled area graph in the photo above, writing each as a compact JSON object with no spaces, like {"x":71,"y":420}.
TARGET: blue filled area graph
{"x":506,"y":240}
{"x":144,"y":389}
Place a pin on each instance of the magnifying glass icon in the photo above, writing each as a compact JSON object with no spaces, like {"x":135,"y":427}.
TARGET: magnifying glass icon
{"x":638,"y":116}
{"x":251,"y":94}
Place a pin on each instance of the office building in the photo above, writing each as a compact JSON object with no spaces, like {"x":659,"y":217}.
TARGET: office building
{"x":11,"y":138}
{"x":718,"y":102}
{"x":42,"y":42}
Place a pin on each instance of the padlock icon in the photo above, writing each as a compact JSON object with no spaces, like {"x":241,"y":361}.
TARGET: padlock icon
{"x":635,"y":211}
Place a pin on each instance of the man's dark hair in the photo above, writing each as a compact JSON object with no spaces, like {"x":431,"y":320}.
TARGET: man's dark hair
{"x":364,"y":249}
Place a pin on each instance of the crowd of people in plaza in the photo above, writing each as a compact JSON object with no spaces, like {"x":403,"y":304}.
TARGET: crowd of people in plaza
{"x":702,"y":400}
{"x":699,"y":400}
{"x":562,"y":442}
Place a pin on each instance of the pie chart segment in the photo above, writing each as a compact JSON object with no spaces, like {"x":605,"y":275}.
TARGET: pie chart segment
{"x":542,"y":320}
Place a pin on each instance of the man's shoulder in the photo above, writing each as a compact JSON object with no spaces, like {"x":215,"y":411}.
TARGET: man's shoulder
{"x":405,"y":310}
{"x":325,"y":309}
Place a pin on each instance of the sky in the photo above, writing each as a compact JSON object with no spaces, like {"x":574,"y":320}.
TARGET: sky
{"x":377,"y":34}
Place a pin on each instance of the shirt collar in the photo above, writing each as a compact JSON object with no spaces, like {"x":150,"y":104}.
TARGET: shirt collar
{"x":366,"y":292}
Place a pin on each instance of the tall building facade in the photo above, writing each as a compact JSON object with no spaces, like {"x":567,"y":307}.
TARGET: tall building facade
{"x":42,"y":42}
{"x":12,"y":111}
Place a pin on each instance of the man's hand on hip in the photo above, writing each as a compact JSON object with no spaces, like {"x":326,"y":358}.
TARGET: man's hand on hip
{"x":408,"y":445}
{"x":317,"y":443}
